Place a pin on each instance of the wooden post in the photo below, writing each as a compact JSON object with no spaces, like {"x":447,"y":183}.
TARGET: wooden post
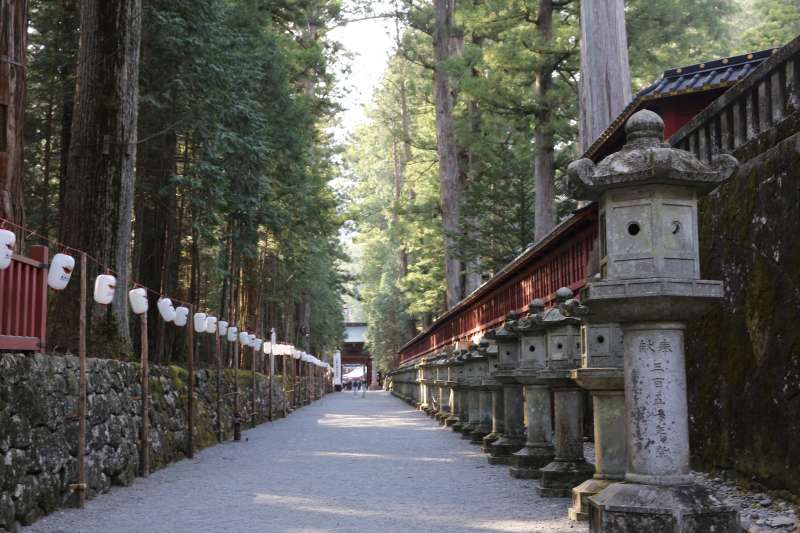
{"x":255,"y":382}
{"x":82,"y":389}
{"x":190,"y":368}
{"x":269,"y":386}
{"x":237,"y":426}
{"x":218,"y":354}
{"x":285,"y":385}
{"x":145,"y":400}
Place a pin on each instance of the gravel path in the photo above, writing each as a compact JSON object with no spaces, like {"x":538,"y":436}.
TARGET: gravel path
{"x":341,"y":464}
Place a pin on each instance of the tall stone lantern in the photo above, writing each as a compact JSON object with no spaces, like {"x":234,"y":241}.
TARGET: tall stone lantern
{"x":454,"y":366}
{"x":459,"y":394}
{"x":538,"y":450}
{"x":602,"y":375}
{"x":562,"y":344}
{"x":512,"y":438}
{"x":649,"y":281}
{"x":496,"y":391}
{"x":483,"y":393}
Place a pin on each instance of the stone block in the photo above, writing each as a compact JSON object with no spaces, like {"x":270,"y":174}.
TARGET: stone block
{"x":634,"y":508}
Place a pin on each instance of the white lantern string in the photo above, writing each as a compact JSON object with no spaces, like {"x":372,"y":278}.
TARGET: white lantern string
{"x":61,"y":267}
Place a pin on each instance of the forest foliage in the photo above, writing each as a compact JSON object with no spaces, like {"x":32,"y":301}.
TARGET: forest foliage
{"x":392,"y":156}
{"x":232,"y":205}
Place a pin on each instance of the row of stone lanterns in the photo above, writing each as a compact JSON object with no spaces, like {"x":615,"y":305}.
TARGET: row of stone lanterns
{"x":623,"y":343}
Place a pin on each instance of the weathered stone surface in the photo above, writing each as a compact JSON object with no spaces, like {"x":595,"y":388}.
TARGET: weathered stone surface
{"x":743,"y":361}
{"x":39,"y":426}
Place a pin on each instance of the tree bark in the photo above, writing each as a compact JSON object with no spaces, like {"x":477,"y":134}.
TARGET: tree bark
{"x":451,"y":186}
{"x":605,"y":73}
{"x":98,"y":193}
{"x":544,"y":160}
{"x":13,"y":43}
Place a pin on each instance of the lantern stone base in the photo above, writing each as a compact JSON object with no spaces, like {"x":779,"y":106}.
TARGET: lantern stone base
{"x":477,"y":435}
{"x":559,"y":477}
{"x":451,"y":420}
{"x":441,"y":416}
{"x":633,"y":507}
{"x":581,"y":494}
{"x":501,"y":450}
{"x":458,"y":426}
{"x":488,"y":440}
{"x":466,"y":429}
{"x":527,"y":462}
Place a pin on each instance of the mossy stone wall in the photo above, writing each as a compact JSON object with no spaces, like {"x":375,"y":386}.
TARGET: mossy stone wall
{"x":743,"y":360}
{"x":39,"y":425}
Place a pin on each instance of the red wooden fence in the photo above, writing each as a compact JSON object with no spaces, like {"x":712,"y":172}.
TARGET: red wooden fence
{"x":557,"y":261}
{"x":23,"y":301}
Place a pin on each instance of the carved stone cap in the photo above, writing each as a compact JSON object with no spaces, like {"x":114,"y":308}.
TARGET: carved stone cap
{"x":506,"y":331}
{"x":554,"y":316}
{"x":647,"y":160}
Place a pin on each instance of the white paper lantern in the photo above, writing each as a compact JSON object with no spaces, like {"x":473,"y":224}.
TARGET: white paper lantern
{"x":166,"y":309}
{"x":199,"y":322}
{"x":258,"y":344}
{"x":232,"y":333}
{"x":181,"y":316}
{"x":61,"y":268}
{"x":138,"y":300}
{"x":244,"y":338}
{"x":211,"y":324}
{"x":7,"y":241}
{"x":222,"y":327}
{"x":104,"y":287}
{"x":252,"y":341}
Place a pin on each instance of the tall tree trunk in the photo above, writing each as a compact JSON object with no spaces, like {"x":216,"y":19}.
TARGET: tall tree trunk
{"x":605,"y":73}
{"x":544,"y":161}
{"x":13,"y":43}
{"x":68,"y":37}
{"x":98,"y":200}
{"x":451,"y":186}
{"x":47,"y":165}
{"x":473,"y":270}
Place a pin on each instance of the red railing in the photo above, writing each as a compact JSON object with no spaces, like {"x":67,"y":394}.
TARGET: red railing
{"x":23,"y":301}
{"x":559,"y":260}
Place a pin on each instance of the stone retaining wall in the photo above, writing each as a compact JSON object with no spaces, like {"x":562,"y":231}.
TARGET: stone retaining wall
{"x":743,"y":360}
{"x":39,"y":425}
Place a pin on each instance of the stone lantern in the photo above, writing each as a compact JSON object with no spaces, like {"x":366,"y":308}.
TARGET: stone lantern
{"x":442,"y":390}
{"x":538,"y":449}
{"x":483,"y":394}
{"x":459,"y":394}
{"x":454,"y":366}
{"x":495,"y":389}
{"x":512,"y":438}
{"x":562,"y":344}
{"x":470,"y":394}
{"x":601,"y":374}
{"x":422,"y":379}
{"x":649,"y":281}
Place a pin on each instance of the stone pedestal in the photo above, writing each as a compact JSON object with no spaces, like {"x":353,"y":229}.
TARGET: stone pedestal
{"x":538,"y":450}
{"x":454,"y":407}
{"x":444,"y":401}
{"x":609,"y":434}
{"x":569,"y":467}
{"x":484,"y":426}
{"x":608,"y":402}
{"x":498,"y":423}
{"x":513,"y":433}
{"x":472,"y":413}
{"x":461,"y":409}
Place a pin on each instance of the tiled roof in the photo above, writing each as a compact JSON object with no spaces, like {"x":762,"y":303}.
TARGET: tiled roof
{"x":710,"y":75}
